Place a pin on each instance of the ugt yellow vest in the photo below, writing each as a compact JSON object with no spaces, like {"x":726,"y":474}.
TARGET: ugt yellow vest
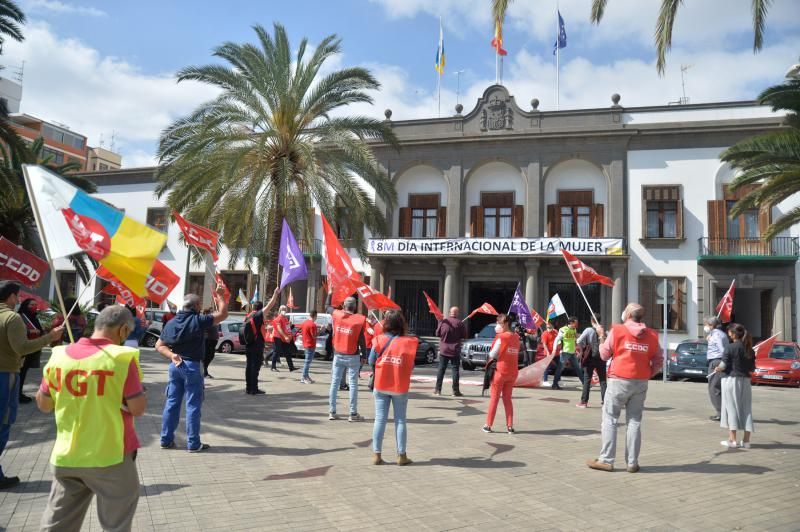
{"x":88,"y":397}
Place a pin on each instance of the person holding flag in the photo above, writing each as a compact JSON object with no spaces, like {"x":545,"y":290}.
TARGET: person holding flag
{"x":348,"y":343}
{"x":256,"y":320}
{"x":451,"y":332}
{"x":182,"y":342}
{"x":717,"y":342}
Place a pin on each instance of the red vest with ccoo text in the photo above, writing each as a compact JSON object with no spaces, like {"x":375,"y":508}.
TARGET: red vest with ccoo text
{"x":508,"y":359}
{"x":393,"y":368}
{"x":347,"y":329}
{"x":632,"y":354}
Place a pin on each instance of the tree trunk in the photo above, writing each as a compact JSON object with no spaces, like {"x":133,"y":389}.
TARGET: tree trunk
{"x":272,"y":259}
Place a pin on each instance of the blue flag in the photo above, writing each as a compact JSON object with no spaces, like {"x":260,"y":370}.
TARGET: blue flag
{"x":561,"y":40}
{"x":256,"y":297}
{"x":291,"y":258}
{"x":520,"y":308}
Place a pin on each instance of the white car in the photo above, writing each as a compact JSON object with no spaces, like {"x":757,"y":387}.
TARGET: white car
{"x":323,"y":320}
{"x":229,"y":337}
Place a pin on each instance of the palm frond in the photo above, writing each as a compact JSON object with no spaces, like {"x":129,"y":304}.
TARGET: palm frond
{"x":760,"y":8}
{"x":499,"y":8}
{"x":598,"y":10}
{"x":663,"y":33}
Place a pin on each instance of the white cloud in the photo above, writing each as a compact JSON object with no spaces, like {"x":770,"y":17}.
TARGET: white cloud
{"x":56,"y":6}
{"x":69,"y":82}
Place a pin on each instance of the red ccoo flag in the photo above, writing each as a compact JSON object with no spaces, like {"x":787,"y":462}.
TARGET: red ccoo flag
{"x":725,"y":307}
{"x":434,"y":309}
{"x":197,"y":235}
{"x":343,"y":279}
{"x":226,"y":296}
{"x":41,"y":303}
{"x":290,"y":300}
{"x":486,"y":308}
{"x":125,"y":295}
{"x":373,"y":299}
{"x":582,"y":273}
{"x":763,"y":348}
{"x":20,"y":265}
{"x":537,"y":319}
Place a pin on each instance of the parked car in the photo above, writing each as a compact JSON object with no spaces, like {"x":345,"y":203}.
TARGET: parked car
{"x":228,"y":332}
{"x":475,"y":351}
{"x":781,"y":367}
{"x":426,"y":352}
{"x":688,"y":360}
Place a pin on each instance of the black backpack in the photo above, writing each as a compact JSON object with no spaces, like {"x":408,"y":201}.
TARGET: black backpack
{"x":248,"y":332}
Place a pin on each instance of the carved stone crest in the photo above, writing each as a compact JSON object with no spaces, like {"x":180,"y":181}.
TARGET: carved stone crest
{"x":496,"y":115}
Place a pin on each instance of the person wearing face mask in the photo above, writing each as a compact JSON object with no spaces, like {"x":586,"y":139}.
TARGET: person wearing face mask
{"x":283,"y":339}
{"x":717,"y":342}
{"x":14,"y":345}
{"x":28,"y":311}
{"x":94,"y":386}
{"x":505,"y":351}
{"x":548,"y":345}
{"x":567,"y":338}
{"x":182,"y":342}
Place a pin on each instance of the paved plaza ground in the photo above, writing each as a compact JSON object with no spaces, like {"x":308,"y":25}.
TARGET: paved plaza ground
{"x":277,"y":463}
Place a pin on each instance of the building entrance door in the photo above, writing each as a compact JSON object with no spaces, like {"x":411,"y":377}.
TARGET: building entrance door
{"x":574,"y":303}
{"x":499,"y":294}
{"x":752,"y":307}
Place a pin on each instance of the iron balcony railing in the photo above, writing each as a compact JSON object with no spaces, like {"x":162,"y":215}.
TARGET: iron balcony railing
{"x":313,"y":247}
{"x":781,"y":247}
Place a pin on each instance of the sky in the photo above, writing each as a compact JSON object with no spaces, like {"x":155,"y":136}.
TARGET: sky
{"x":107,"y":67}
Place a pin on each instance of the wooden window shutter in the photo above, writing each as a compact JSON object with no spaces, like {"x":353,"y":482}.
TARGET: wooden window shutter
{"x":553,"y":221}
{"x":476,"y":221}
{"x":716,"y":219}
{"x":764,"y":218}
{"x":518,"y":218}
{"x":679,"y":219}
{"x":441,"y":222}
{"x":647,"y":300}
{"x":405,"y":222}
{"x":575,"y":197}
{"x":423,"y":201}
{"x":598,"y":220}
{"x":497,"y":199}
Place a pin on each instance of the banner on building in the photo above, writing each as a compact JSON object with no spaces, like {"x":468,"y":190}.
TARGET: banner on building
{"x":496,"y":246}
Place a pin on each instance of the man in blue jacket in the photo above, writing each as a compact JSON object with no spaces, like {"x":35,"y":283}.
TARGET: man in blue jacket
{"x":182,"y":342}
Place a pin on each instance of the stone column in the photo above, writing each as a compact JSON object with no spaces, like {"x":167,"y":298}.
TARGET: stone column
{"x":376,"y":276}
{"x":533,"y":202}
{"x":531,"y":282}
{"x":209,"y":283}
{"x":450,"y":281}
{"x":617,"y":293}
{"x":454,"y":207}
{"x":313,"y":285}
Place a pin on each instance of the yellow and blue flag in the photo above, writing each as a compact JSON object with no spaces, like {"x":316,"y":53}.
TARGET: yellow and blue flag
{"x":439,"y":67}
{"x":72,"y":221}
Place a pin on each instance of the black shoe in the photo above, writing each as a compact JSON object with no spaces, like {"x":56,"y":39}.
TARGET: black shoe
{"x":275,"y":369}
{"x":209,"y":376}
{"x":8,"y":482}
{"x":259,"y":392}
{"x":170,"y":445}
{"x":556,"y":387}
{"x":714,"y":418}
{"x":457,"y":394}
{"x":203,"y":447}
{"x":24,"y":399}
{"x":248,"y":392}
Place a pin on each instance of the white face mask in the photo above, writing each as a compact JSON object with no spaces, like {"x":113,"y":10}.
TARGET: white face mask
{"x":707,"y":329}
{"x":498,"y":328}
{"x":622,"y":318}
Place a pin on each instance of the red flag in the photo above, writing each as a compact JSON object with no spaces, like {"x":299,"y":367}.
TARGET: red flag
{"x":140,"y":312}
{"x":41,"y":303}
{"x":198,"y":235}
{"x":110,"y":289}
{"x":290,"y":299}
{"x":486,"y":308}
{"x":497,"y":41}
{"x":725,"y":307}
{"x":582,"y":273}
{"x":160,"y":282}
{"x":226,"y":296}
{"x":124,"y":294}
{"x":20,"y":265}
{"x":537,"y":319}
{"x":434,"y":309}
{"x":340,"y":269}
{"x":373,"y":299}
{"x":763,"y":348}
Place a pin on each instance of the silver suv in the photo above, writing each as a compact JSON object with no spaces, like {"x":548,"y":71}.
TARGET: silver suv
{"x":475,"y":351}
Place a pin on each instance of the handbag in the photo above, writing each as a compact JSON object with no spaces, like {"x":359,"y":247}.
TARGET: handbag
{"x":371,"y":381}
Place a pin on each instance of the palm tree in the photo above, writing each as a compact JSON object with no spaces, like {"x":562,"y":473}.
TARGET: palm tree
{"x":11,"y":17}
{"x":771,"y":160}
{"x":17,"y":222}
{"x":664,"y":23}
{"x":272,"y":145}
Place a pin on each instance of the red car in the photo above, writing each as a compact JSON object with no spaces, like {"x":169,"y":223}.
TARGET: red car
{"x":781,"y":367}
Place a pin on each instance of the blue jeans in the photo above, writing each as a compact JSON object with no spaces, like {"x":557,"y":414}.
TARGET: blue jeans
{"x":399,"y":406}
{"x":307,"y":363}
{"x":186,"y":379}
{"x":576,"y":367}
{"x":351,"y":363}
{"x":559,"y":367}
{"x":9,"y":401}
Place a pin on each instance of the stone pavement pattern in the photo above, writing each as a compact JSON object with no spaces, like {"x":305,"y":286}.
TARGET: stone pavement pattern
{"x":277,"y":463}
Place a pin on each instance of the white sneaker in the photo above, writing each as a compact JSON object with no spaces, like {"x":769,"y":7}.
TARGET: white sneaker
{"x":745,"y":445}
{"x":547,"y":384}
{"x":729,"y":444}
{"x":303,"y":381}
{"x":333,"y":417}
{"x":355,"y":417}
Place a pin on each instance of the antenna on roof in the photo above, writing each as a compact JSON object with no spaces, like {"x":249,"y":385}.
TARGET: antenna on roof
{"x":684,"y":68}
{"x":113,"y":139}
{"x":19,"y":73}
{"x":102,"y":140}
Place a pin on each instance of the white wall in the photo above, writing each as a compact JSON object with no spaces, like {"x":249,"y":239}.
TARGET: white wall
{"x":696,"y":115}
{"x":696,"y":171}
{"x":422,"y":179}
{"x":492,"y":177}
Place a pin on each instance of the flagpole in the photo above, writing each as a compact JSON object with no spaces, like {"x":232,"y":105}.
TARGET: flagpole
{"x":91,"y":281}
{"x":558,"y":50}
{"x":439,"y":70}
{"x":213,"y":275}
{"x":42,"y":235}
{"x":580,"y":288}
